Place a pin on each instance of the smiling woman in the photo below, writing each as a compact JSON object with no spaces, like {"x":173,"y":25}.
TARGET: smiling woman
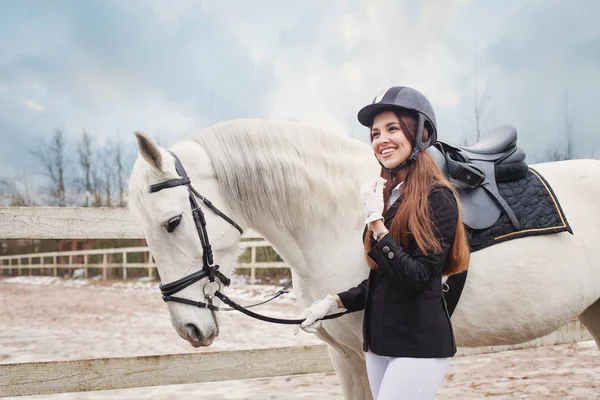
{"x":407,"y":333}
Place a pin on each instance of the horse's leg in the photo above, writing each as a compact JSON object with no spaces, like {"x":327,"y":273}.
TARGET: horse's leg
{"x":590,"y":318}
{"x":352,"y":373}
{"x":350,"y":368}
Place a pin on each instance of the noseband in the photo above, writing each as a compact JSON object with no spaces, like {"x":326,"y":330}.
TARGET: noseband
{"x":208,"y":268}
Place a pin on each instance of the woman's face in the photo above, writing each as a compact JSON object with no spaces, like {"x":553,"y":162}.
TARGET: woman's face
{"x":390,"y":144}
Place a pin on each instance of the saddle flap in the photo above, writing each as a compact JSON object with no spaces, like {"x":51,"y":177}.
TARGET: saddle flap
{"x":479,"y":211}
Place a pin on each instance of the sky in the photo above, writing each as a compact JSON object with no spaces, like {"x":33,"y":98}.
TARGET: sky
{"x":113,"y":67}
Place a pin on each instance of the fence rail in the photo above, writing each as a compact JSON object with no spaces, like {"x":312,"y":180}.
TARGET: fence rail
{"x":35,"y":378}
{"x":91,"y":223}
{"x":39,"y":261}
{"x":129,"y":372}
{"x":71,"y":223}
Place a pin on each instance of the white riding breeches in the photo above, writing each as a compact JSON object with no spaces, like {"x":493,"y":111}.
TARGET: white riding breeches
{"x":405,"y":378}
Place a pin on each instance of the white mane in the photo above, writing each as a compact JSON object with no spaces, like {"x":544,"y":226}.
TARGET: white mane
{"x":295,"y":174}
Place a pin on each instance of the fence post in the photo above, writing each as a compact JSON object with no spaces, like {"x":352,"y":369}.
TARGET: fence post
{"x":104,"y":266}
{"x":124,"y":260}
{"x":150,"y":269}
{"x":85,"y":266}
{"x":55,"y":259}
{"x":252,"y":262}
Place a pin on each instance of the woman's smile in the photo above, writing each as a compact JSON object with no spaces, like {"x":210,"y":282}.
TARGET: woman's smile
{"x":388,"y":152}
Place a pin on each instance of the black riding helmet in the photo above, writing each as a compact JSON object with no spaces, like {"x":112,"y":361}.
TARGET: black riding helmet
{"x":405,"y":99}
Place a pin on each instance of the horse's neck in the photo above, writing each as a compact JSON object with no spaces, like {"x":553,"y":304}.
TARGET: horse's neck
{"x":289,"y":247}
{"x":327,"y":259}
{"x":329,"y":215}
{"x":308,"y":246}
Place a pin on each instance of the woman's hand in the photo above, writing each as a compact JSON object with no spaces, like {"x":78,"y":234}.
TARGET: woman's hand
{"x":372,"y":199}
{"x":319,"y":309}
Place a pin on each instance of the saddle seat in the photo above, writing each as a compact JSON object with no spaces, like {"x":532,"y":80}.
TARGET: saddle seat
{"x":473,"y":168}
{"x":498,"y":145}
{"x":497,"y":141}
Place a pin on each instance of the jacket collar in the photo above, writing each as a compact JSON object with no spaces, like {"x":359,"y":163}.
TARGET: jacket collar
{"x":389,"y":214}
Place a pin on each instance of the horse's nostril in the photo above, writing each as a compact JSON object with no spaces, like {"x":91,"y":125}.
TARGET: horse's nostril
{"x":193,"y":331}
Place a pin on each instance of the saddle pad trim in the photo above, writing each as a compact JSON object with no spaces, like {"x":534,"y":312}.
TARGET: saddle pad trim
{"x":540,"y":230}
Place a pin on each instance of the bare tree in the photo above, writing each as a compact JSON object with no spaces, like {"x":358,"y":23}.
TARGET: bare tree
{"x":553,"y":153}
{"x":567,"y":152}
{"x":107,"y":172}
{"x":120,"y":172}
{"x":52,"y":157}
{"x":477,"y":117}
{"x":480,"y":102}
{"x":85,"y":182}
{"x":97,"y":184}
{"x":568,"y":120}
{"x":15,"y":191}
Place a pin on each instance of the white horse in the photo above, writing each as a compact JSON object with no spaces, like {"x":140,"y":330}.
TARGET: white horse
{"x":299,"y":187}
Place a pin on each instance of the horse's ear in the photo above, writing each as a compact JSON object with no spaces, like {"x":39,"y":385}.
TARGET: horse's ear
{"x":149,"y":150}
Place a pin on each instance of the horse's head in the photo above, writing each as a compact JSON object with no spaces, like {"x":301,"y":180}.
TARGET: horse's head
{"x":162,"y":200}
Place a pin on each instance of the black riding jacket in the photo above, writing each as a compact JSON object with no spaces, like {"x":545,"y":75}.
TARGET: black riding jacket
{"x":405,"y":311}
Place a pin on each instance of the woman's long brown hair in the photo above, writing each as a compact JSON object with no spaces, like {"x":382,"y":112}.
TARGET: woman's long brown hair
{"x":414,"y":212}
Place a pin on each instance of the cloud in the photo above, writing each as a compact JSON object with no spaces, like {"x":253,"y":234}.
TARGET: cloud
{"x":113,"y":67}
{"x":32,"y":105}
{"x":532,"y":70}
{"x":351,"y":52}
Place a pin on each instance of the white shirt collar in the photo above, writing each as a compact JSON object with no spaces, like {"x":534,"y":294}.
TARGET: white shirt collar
{"x":396,"y":193}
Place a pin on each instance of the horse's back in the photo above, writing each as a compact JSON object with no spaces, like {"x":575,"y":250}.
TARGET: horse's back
{"x":575,"y":184}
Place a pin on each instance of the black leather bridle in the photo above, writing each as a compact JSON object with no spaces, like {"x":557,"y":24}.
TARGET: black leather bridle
{"x":209,"y":270}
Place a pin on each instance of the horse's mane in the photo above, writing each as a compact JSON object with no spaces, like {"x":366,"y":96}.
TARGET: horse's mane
{"x":298,"y":175}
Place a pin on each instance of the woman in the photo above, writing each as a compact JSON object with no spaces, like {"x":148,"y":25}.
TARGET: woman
{"x":414,"y":236}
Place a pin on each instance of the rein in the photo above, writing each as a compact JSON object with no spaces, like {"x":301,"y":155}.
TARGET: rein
{"x":209,"y":270}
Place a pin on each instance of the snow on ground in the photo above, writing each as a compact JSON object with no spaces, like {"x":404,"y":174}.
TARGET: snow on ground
{"x":45,"y":281}
{"x":44,"y":319}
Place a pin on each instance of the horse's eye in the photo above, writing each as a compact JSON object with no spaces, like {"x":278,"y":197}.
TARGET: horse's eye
{"x":173,"y":223}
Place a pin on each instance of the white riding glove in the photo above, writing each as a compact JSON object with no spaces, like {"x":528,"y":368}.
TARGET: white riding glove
{"x":316,"y":312}
{"x":371,"y":192}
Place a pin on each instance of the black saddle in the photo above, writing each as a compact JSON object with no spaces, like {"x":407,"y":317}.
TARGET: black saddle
{"x":473,"y":169}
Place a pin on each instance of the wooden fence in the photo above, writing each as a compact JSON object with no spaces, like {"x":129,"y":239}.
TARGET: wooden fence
{"x":35,"y":378}
{"x":54,"y":263}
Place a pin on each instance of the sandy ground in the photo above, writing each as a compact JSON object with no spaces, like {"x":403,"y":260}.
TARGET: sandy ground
{"x":44,"y":319}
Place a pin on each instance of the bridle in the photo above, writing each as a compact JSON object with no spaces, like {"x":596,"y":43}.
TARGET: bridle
{"x":209,"y":270}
